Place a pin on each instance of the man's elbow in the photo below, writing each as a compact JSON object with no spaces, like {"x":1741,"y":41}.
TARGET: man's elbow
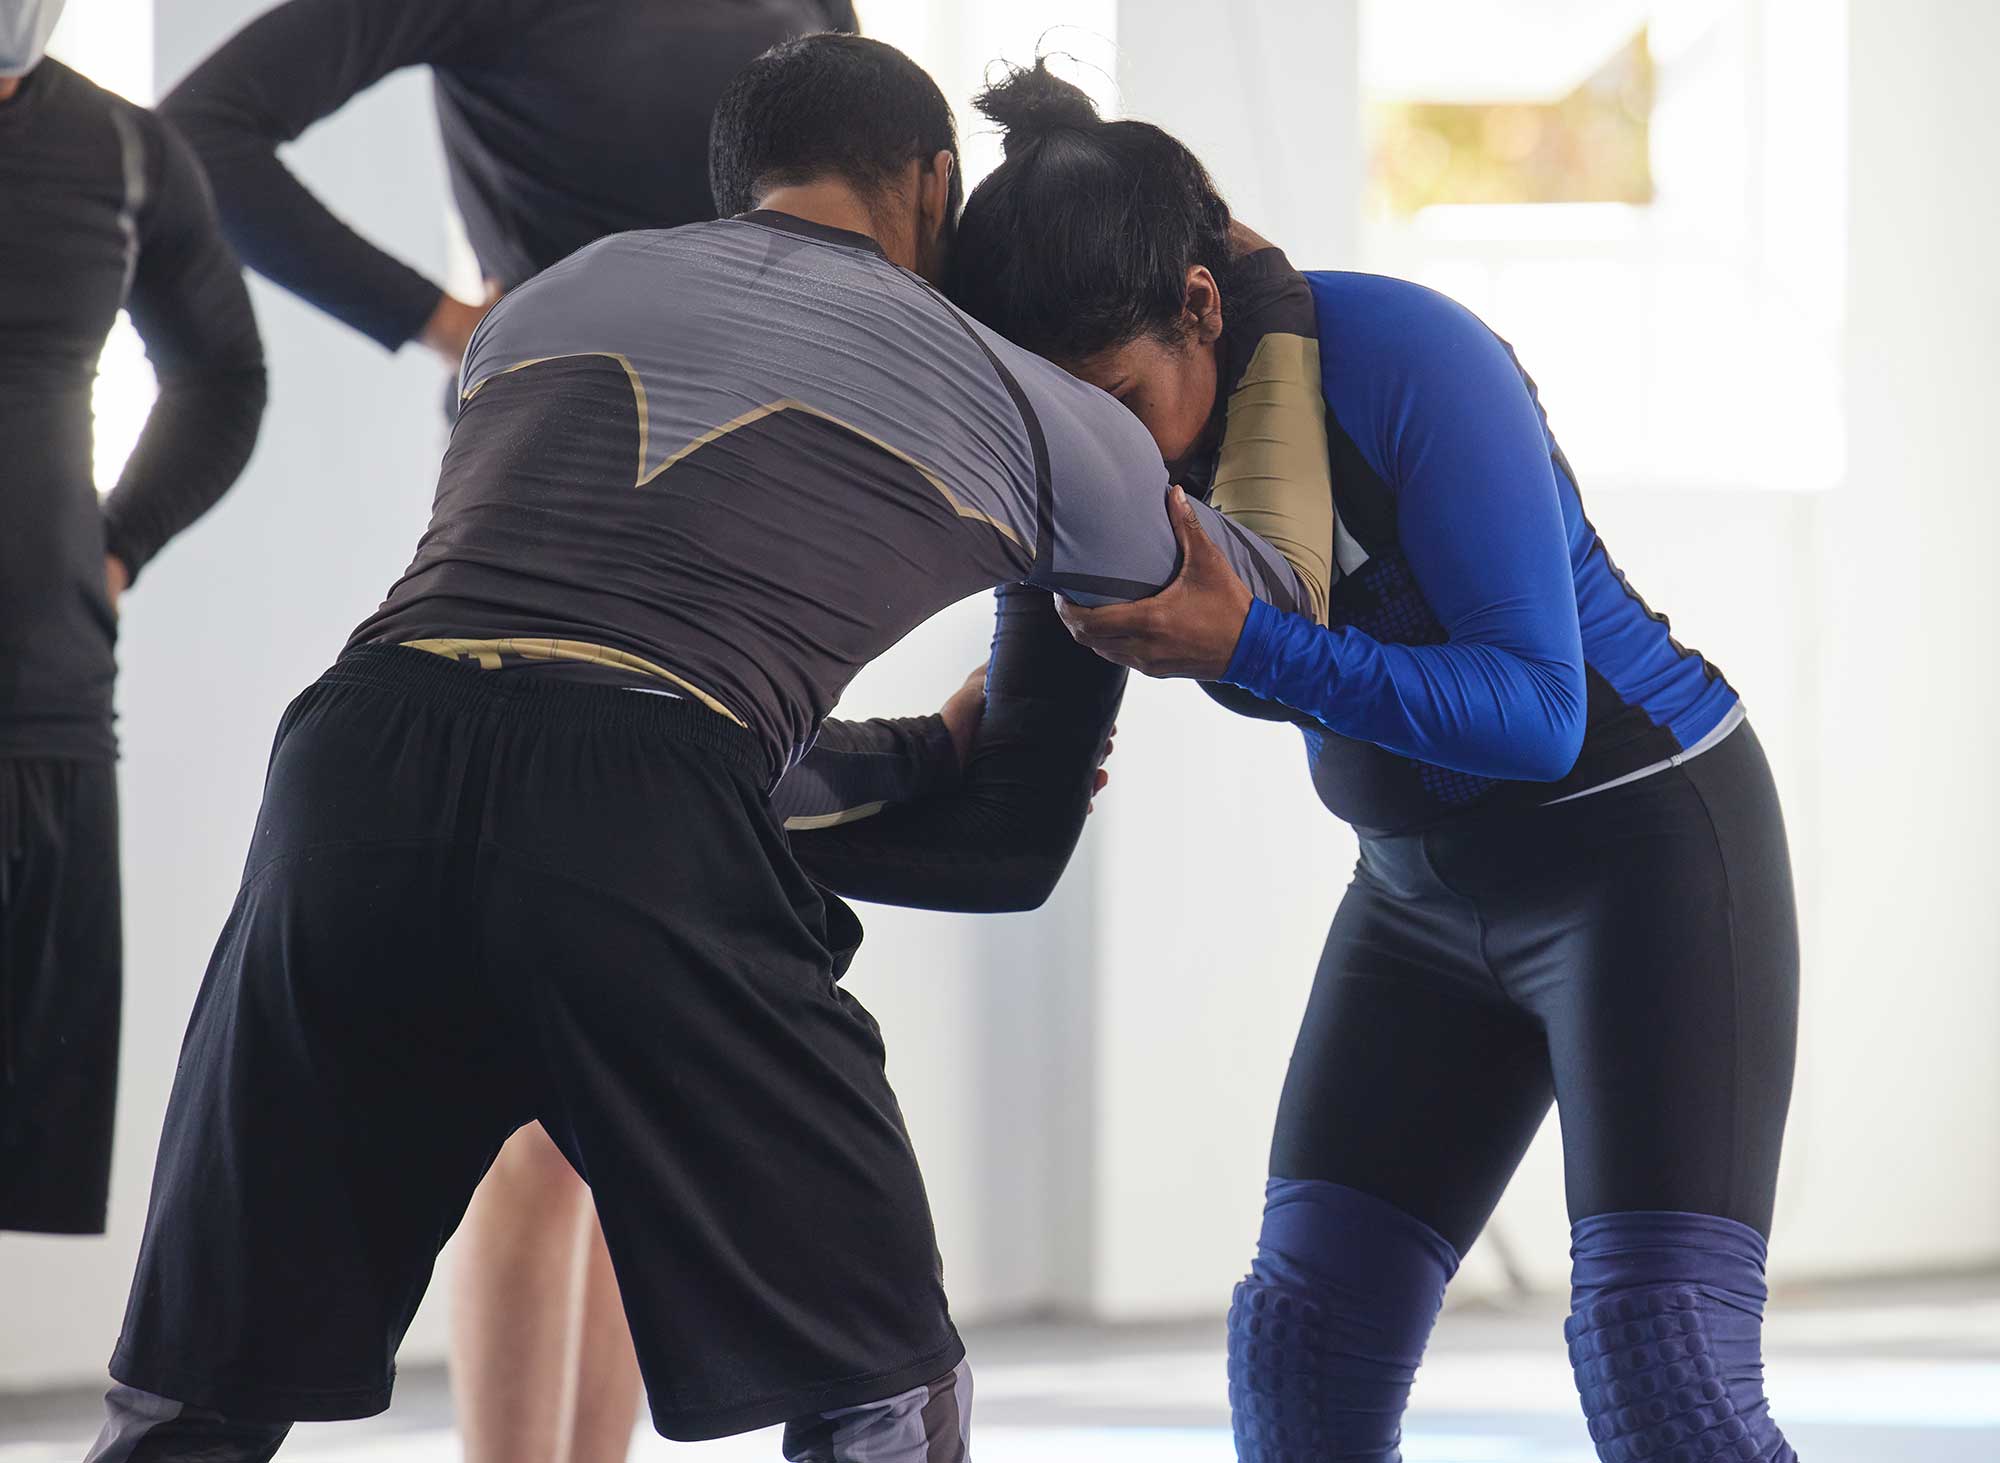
{"x":236,"y":400}
{"x":1026,"y":887}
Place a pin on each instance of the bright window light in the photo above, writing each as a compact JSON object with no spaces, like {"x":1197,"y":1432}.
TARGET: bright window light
{"x":111,"y":42}
{"x":957,"y":43}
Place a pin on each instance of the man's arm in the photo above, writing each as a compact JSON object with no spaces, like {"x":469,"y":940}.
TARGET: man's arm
{"x":857,"y":768}
{"x":1103,"y":534}
{"x":1001,"y":839}
{"x":281,"y":73}
{"x":189,"y":306}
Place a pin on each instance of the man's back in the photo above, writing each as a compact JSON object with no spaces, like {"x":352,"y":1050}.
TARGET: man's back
{"x":747,"y":457}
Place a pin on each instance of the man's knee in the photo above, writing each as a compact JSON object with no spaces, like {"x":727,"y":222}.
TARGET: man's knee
{"x":927,"y":1424}
{"x":143,"y":1427}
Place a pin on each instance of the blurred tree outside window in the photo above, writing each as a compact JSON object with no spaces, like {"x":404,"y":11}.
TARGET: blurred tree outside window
{"x":1592,"y":146}
{"x":1647,"y":198}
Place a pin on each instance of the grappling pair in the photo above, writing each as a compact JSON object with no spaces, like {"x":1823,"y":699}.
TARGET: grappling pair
{"x":519,"y":858}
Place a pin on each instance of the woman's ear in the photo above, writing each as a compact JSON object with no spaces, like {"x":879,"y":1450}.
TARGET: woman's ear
{"x":1201,"y":313}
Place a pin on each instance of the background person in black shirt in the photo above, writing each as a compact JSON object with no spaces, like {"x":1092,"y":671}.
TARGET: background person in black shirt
{"x":101,"y":208}
{"x":561,"y":123}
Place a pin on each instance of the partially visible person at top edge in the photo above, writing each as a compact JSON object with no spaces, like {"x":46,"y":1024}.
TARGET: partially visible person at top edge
{"x":561,"y":123}
{"x":517,"y":860}
{"x":101,"y":208}
{"x":1573,"y":886}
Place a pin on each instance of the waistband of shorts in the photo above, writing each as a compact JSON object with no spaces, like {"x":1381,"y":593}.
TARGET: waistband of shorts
{"x":524,"y":696}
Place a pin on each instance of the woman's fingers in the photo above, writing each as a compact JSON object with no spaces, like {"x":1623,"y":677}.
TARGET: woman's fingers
{"x":1092,"y":624}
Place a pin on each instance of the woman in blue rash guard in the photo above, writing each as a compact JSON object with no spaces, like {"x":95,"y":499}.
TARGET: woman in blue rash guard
{"x":1573,"y":882}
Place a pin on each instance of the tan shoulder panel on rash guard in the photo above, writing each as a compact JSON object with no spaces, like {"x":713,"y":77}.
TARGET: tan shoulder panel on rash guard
{"x":1273,"y":475}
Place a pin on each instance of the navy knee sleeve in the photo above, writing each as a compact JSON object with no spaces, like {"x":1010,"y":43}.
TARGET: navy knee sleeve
{"x":1326,"y":1333}
{"x":1666,"y":1337}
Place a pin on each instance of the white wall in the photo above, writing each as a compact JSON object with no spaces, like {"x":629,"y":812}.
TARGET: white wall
{"x":1899,"y":1146}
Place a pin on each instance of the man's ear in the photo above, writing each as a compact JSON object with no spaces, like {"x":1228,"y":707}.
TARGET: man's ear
{"x":1201,"y":313}
{"x":934,"y":192}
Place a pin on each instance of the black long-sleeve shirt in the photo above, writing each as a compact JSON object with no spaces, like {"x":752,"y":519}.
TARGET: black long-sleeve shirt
{"x":562,"y":123}
{"x":101,"y":206}
{"x":993,"y":838}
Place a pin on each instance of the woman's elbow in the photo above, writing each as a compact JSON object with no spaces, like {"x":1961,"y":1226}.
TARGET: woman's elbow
{"x":1553,"y":752}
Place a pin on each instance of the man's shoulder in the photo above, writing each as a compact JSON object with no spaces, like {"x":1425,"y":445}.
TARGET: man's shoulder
{"x":64,"y":91}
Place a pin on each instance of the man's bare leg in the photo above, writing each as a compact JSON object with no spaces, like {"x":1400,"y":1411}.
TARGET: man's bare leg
{"x":608,"y":1389}
{"x":515,"y":1307}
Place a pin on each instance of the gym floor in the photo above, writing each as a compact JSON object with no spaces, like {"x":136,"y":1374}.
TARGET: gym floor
{"x":1874,"y":1373}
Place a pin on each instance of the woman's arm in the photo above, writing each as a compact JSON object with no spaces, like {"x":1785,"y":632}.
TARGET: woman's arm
{"x":1001,"y":840}
{"x":1436,"y":404}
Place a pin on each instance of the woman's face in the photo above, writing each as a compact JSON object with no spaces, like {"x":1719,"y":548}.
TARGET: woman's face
{"x":1168,"y":384}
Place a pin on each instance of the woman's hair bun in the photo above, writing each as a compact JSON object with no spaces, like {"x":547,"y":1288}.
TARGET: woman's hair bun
{"x":1032,"y":101}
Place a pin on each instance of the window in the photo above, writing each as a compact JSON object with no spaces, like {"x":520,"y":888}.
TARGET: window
{"x":1647,"y":198}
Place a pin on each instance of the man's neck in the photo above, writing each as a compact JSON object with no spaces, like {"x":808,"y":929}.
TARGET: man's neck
{"x":835,"y":206}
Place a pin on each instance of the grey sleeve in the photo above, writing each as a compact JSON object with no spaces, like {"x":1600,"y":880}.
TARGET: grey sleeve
{"x":1103,"y":533}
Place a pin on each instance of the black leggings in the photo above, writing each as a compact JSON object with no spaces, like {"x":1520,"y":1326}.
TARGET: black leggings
{"x":1631,"y":954}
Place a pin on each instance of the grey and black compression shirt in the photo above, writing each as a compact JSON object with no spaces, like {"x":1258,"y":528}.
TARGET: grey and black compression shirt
{"x":747,"y":457}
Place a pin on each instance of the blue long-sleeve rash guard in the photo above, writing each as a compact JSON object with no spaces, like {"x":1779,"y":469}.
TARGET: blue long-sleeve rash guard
{"x":1481,"y":645}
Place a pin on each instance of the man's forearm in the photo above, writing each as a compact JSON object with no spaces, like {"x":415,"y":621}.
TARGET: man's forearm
{"x":195,"y":442}
{"x":1001,"y":839}
{"x":857,"y":768}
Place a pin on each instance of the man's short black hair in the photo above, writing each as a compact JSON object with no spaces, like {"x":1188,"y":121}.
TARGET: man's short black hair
{"x":825,"y":105}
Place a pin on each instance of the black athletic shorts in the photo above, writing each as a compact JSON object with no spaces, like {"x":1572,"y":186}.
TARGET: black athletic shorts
{"x":476,"y":900}
{"x":59,"y":992}
{"x":1632,"y":954}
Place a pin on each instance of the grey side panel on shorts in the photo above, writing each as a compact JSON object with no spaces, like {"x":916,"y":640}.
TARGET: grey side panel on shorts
{"x":927,"y":1424}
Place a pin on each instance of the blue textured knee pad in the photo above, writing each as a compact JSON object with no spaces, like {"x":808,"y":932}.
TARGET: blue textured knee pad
{"x":1326,"y":1333}
{"x":1666,"y":1338}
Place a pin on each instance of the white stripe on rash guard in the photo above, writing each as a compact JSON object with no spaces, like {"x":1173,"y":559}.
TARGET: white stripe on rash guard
{"x":1731,"y":720}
